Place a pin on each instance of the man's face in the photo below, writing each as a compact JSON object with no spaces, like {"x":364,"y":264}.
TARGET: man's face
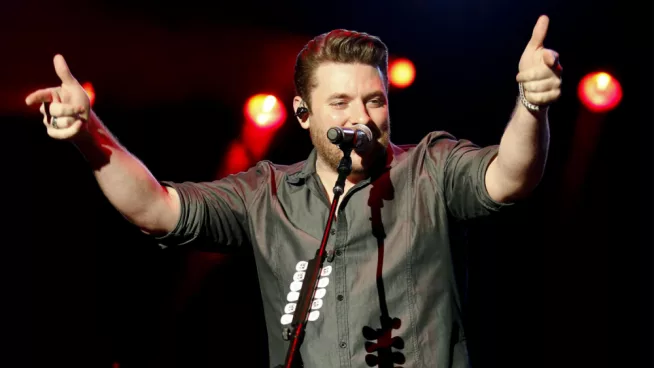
{"x":345,"y":95}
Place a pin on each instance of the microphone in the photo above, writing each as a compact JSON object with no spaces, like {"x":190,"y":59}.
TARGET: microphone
{"x":359,"y":137}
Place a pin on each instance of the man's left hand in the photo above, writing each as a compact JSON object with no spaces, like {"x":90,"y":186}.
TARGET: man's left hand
{"x":539,"y":69}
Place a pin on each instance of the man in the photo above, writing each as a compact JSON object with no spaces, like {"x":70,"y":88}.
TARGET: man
{"x":387,"y":292}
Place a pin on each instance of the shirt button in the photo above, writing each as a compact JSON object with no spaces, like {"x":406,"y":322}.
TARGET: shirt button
{"x":339,"y":252}
{"x":343,"y":344}
{"x":340,"y":297}
{"x":333,"y":231}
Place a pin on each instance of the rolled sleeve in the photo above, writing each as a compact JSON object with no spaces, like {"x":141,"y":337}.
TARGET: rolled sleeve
{"x":460,"y":166}
{"x":214,"y":215}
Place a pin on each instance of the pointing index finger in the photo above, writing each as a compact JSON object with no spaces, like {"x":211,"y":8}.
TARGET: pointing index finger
{"x":42,"y":95}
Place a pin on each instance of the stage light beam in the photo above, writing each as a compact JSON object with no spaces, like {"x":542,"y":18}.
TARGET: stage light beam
{"x":90,"y":91}
{"x":599,"y":92}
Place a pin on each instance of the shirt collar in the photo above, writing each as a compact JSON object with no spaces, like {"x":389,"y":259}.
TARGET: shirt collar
{"x":308,"y":168}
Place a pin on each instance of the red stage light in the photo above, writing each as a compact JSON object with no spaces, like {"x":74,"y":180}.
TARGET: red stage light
{"x":402,"y":73}
{"x":600,"y":92}
{"x":265,"y":111}
{"x":88,"y":87}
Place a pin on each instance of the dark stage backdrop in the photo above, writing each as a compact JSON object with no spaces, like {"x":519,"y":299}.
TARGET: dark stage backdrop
{"x":562,"y":280}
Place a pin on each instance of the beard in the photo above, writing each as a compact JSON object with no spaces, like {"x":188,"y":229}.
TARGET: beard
{"x":331,"y":154}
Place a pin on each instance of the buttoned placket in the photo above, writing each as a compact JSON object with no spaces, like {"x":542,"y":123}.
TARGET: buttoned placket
{"x":340,"y":284}
{"x":340,"y":278}
{"x":337,"y":243}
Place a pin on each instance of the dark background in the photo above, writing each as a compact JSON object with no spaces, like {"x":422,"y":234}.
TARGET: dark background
{"x":563,"y":280}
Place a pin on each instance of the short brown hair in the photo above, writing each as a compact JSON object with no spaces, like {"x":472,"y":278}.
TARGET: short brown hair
{"x":340,"y":46}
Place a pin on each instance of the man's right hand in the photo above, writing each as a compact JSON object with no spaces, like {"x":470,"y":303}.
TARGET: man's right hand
{"x":68,"y":105}
{"x":126,"y":182}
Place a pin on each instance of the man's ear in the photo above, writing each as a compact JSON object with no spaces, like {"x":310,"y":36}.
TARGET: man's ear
{"x":301,"y":112}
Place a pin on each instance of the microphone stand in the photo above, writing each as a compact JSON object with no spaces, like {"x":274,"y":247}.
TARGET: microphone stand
{"x":295,"y":333}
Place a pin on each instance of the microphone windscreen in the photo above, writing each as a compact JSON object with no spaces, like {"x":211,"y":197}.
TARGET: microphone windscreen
{"x":364,"y":128}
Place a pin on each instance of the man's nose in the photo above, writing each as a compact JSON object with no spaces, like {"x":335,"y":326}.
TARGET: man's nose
{"x":359,"y":114}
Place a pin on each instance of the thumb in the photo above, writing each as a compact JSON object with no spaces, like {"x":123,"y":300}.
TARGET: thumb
{"x":62,"y":70}
{"x":539,"y":32}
